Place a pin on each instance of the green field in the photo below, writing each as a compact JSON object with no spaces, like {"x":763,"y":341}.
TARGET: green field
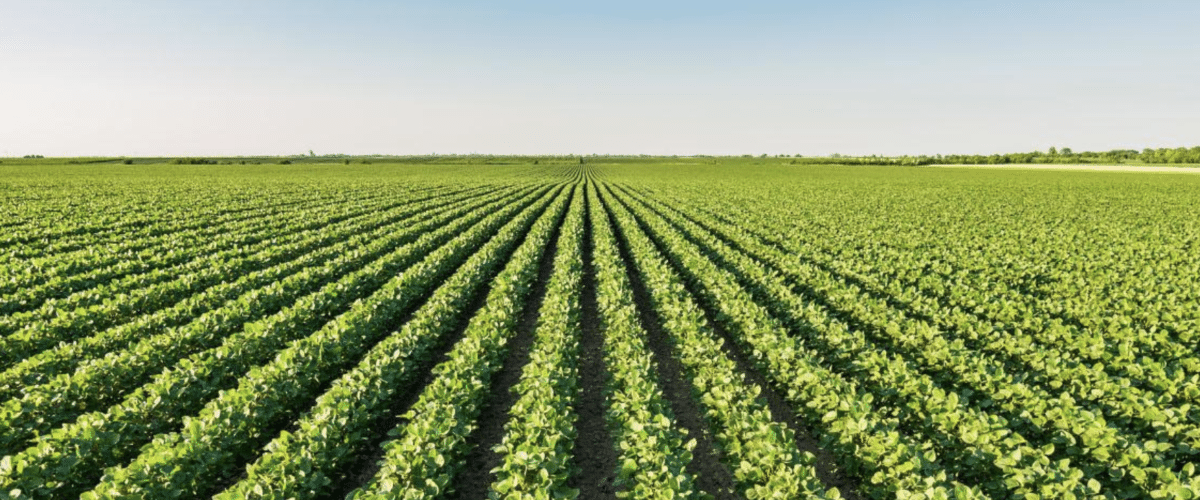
{"x":643,"y":328}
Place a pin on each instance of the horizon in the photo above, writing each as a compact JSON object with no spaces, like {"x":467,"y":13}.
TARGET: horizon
{"x":1175,"y":155}
{"x":213,"y":79}
{"x":567,"y":155}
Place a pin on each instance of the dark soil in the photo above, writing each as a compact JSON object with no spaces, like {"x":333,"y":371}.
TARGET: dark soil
{"x":475,"y":477}
{"x":781,"y":411}
{"x":359,"y":470}
{"x":1021,"y":424}
{"x":711,"y":476}
{"x":595,"y":453}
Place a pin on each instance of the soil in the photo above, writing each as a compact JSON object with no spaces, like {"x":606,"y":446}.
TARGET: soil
{"x":595,"y":453}
{"x":475,"y":477}
{"x":359,"y":470}
{"x":711,"y":476}
{"x":825,"y":464}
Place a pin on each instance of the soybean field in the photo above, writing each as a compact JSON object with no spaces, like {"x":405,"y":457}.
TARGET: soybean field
{"x":610,"y":328}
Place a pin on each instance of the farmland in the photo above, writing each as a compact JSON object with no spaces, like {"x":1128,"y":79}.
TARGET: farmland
{"x":640,"y":328}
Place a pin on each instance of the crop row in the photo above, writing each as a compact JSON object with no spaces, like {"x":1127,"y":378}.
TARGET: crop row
{"x":427,"y":448}
{"x":117,"y":303}
{"x":1105,"y":455}
{"x":102,"y":381}
{"x":1140,"y":366}
{"x":303,"y":464}
{"x":653,"y":452}
{"x":51,"y":230}
{"x":1147,"y":471}
{"x":211,"y":444}
{"x":74,"y":455}
{"x":329,"y":244}
{"x":761,"y":452}
{"x":540,"y":433}
{"x":58,"y":276}
{"x":459,"y":331}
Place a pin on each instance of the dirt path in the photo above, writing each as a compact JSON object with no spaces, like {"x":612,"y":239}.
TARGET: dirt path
{"x":1099,"y":168}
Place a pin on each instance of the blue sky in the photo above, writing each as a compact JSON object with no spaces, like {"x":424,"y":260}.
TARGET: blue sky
{"x":751,"y":77}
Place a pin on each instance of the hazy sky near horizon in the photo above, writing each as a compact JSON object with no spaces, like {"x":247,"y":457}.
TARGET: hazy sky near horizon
{"x":139,"y":77}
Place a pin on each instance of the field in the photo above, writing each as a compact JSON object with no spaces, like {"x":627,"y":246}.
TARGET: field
{"x":639,"y":328}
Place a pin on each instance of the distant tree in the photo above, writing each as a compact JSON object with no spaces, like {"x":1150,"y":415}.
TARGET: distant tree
{"x":1066,"y":151}
{"x":128,"y":161}
{"x":310,"y":153}
{"x":345,"y":162}
{"x":1053,"y":151}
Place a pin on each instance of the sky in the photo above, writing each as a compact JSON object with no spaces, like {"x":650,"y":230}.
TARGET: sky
{"x":250,"y":77}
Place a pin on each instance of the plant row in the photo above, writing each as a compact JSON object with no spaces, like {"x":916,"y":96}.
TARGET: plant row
{"x":652,"y":451}
{"x":98,"y":383}
{"x":426,"y":450}
{"x":60,"y":463}
{"x":760,"y":452}
{"x":927,"y":345}
{"x":535,"y":452}
{"x":229,"y":428}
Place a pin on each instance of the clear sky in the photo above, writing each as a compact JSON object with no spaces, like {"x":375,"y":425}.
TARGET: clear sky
{"x":134,"y":77}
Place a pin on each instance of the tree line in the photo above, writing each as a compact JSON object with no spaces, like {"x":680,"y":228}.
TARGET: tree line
{"x":1053,"y":156}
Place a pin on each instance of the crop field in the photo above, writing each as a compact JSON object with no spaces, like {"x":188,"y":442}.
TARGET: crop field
{"x":639,"y":328}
